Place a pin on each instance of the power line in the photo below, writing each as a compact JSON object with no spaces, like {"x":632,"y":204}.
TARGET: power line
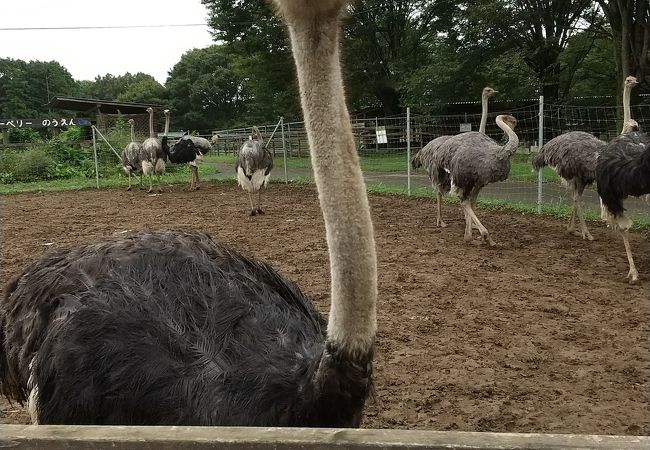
{"x":107,"y":27}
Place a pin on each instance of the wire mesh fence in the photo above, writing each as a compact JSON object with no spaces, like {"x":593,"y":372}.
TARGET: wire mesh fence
{"x":385,"y":144}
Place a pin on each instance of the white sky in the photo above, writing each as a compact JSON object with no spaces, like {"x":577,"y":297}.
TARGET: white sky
{"x":87,"y":53}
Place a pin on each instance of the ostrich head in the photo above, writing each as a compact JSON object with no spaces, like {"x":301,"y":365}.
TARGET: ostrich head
{"x":488,"y":92}
{"x":166,"y":112}
{"x":631,"y":81}
{"x":508,"y":120}
{"x":131,"y":122}
{"x":150,"y":110}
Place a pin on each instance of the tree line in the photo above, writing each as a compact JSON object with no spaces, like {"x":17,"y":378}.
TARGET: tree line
{"x":397,"y":53}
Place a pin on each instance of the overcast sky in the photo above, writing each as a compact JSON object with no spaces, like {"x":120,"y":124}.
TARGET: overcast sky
{"x":88,"y":53}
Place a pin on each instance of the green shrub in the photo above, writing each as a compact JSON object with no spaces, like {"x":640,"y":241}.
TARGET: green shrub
{"x":24,"y":135}
{"x":34,"y":164}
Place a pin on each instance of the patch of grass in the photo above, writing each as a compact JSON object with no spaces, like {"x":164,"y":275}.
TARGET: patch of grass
{"x":175,"y":175}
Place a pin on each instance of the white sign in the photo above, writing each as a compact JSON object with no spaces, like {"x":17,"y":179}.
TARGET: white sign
{"x":381,"y":135}
{"x":465,"y":127}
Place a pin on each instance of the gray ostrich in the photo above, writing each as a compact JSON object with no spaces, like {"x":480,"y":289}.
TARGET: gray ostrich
{"x":573,"y":156}
{"x":172,"y":328}
{"x":476,"y":161}
{"x":254,"y":165}
{"x":131,"y":156}
{"x":436,"y":161}
{"x":153,"y":157}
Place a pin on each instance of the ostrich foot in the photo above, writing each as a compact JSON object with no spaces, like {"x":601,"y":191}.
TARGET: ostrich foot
{"x":259,"y":211}
{"x":633,"y":276}
{"x":441,"y":223}
{"x":129,"y":188}
{"x":468,"y":237}
{"x":587,"y":236}
{"x":488,"y":239}
{"x":149,"y":191}
{"x":253,"y":212}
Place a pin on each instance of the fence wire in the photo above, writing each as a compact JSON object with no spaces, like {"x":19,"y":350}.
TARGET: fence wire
{"x":383,"y":144}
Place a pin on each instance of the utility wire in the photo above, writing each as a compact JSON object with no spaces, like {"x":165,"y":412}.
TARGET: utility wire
{"x":108,"y":27}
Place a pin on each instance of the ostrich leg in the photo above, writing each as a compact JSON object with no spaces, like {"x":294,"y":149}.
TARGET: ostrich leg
{"x":253,"y":210}
{"x":259,"y":202}
{"x":193,"y":178}
{"x":196,"y":178}
{"x":583,"y":225}
{"x":467,"y":207}
{"x":633,"y":274}
{"x":439,"y":221}
{"x":129,"y":188}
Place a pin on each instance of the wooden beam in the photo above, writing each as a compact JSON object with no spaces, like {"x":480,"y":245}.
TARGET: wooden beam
{"x":48,"y":437}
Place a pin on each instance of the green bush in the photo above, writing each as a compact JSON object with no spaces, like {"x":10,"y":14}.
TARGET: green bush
{"x":34,"y":164}
{"x":24,"y":135}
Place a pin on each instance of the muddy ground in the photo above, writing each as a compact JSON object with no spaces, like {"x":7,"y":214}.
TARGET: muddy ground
{"x":540,"y":334}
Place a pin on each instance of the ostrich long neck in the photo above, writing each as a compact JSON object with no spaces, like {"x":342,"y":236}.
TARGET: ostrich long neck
{"x":151,"y":124}
{"x":342,"y":192}
{"x":512,"y":145}
{"x":132,"y":132}
{"x":627,"y":113}
{"x":166,"y":124}
{"x":484,"y":113}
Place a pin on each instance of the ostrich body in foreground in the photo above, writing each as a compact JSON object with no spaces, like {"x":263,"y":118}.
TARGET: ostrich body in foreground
{"x":170,"y":328}
{"x":254,"y":165}
{"x":573,"y":156}
{"x":131,"y":156}
{"x":623,"y":170}
{"x":187,"y":150}
{"x":476,"y":161}
{"x":436,"y":161}
{"x":153,"y":157}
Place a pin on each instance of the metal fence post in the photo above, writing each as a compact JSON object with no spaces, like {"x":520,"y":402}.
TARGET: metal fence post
{"x":540,"y":144}
{"x":95,"y":153}
{"x":284,"y":151}
{"x":408,"y":150}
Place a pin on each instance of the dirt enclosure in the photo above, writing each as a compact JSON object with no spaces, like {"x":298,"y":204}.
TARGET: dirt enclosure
{"x":540,"y":334}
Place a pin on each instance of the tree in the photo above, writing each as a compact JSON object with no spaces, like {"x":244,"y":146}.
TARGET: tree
{"x":145,"y":90}
{"x":26,"y":87}
{"x":630,"y":29}
{"x":205,"y":90}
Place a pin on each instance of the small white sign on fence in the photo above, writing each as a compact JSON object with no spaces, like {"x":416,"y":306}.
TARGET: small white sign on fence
{"x":465,"y":127}
{"x":381,"y":135}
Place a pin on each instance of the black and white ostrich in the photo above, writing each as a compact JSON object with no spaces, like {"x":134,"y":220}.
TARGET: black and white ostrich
{"x":131,"y":156}
{"x":573,"y":156}
{"x":254,"y":164}
{"x":171,"y":328}
{"x":187,"y":150}
{"x":623,"y":170}
{"x":153,"y":157}
{"x":436,"y":161}
{"x":477,"y":160}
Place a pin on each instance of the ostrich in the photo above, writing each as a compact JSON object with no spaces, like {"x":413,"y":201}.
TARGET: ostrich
{"x":188,"y":149}
{"x":153,"y":157}
{"x":254,"y":164}
{"x":573,"y":156}
{"x":171,"y":328}
{"x":436,"y":162}
{"x":623,"y":170}
{"x":477,"y":160}
{"x":131,"y":156}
